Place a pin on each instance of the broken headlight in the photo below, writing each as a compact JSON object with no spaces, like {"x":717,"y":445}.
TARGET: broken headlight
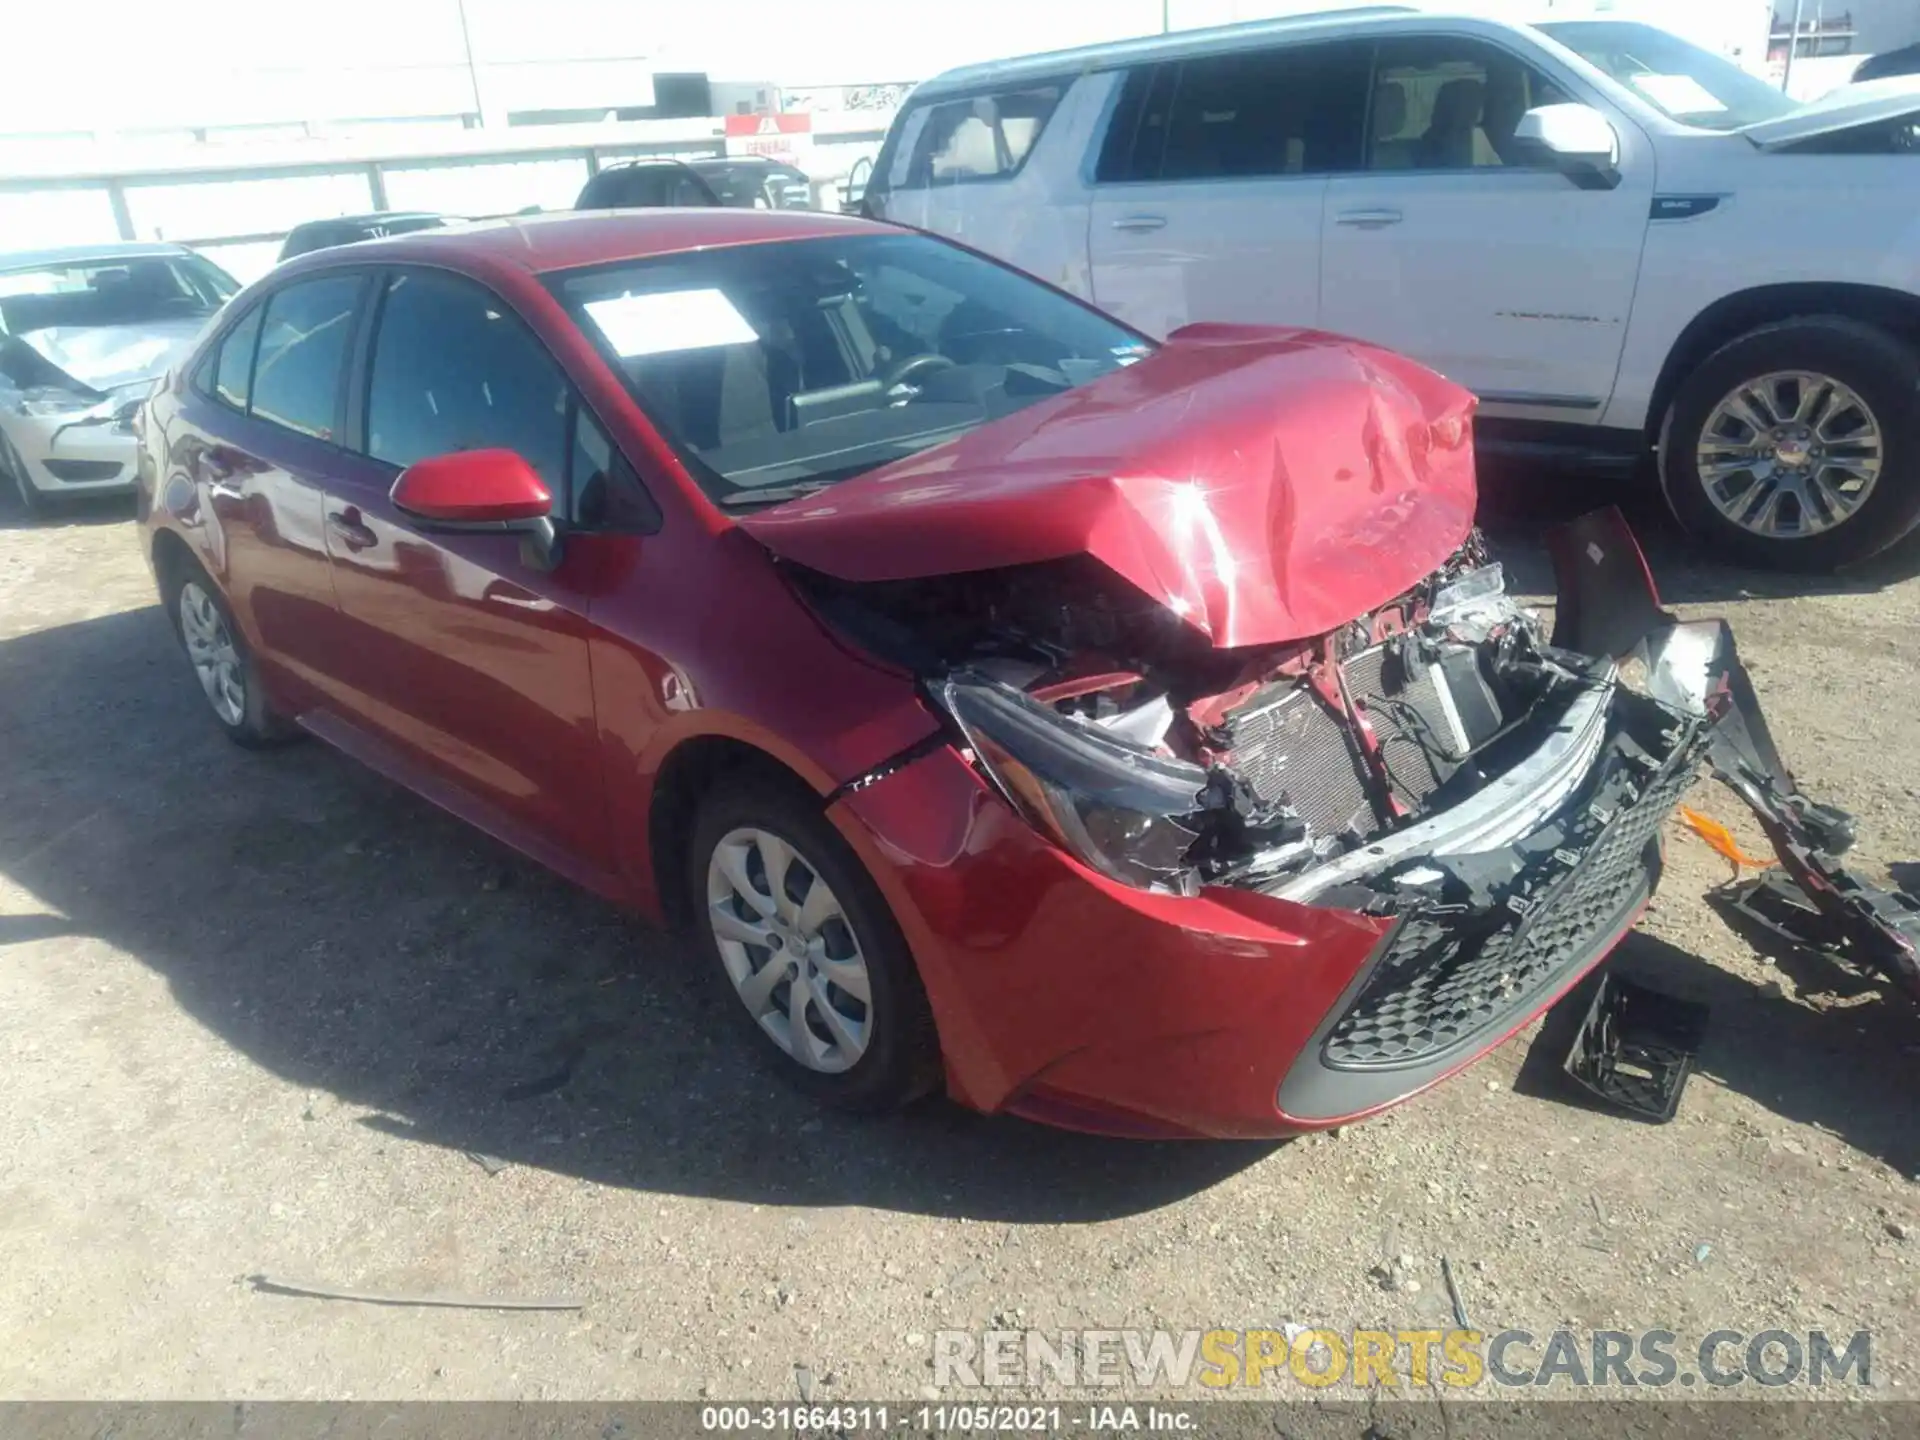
{"x":47,"y":401}
{"x":1124,"y":810}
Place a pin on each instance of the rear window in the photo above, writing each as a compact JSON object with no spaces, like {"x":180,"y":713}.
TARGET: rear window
{"x":783,"y":367}
{"x":980,"y":137}
{"x":644,"y":187}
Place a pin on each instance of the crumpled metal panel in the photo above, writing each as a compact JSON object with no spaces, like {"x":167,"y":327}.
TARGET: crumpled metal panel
{"x":1263,"y":484}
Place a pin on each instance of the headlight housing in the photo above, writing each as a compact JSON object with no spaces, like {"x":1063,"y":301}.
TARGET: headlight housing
{"x":1127,"y":812}
{"x":47,"y":401}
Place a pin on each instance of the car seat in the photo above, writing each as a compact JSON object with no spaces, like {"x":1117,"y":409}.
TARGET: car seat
{"x":1390,"y":150}
{"x":1452,"y":133}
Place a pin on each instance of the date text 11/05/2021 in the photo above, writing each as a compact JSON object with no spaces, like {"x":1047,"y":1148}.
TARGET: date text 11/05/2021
{"x":961,"y":1418}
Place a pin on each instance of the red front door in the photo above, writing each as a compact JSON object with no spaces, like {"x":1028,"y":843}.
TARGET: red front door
{"x":464,"y":659}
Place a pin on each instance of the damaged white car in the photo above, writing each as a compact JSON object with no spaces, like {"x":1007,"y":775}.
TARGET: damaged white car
{"x":84,"y":332}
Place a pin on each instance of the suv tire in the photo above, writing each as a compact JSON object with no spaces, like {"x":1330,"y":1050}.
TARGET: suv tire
{"x":1881,"y":371}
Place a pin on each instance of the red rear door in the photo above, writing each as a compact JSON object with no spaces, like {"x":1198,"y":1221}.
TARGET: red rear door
{"x":254,"y":442}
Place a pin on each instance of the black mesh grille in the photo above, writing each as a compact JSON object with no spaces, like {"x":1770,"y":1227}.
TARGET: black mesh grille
{"x":1435,"y":986}
{"x":83,"y":469}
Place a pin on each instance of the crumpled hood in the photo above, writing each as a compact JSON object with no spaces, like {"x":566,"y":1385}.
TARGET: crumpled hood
{"x":109,"y":357}
{"x":1868,"y":103}
{"x":1263,"y":484}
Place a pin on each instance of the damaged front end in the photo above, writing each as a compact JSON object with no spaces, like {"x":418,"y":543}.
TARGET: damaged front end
{"x":1439,"y":762}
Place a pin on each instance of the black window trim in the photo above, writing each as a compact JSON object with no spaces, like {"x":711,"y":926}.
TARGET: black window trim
{"x":360,"y":383}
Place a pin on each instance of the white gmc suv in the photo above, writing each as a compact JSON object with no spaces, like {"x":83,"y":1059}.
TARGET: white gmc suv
{"x":1622,"y":243}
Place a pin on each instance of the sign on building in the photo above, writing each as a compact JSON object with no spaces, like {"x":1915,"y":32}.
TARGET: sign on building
{"x":772,"y":137}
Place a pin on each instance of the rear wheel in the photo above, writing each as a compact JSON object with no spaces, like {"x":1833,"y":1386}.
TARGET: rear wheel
{"x":819,"y":975}
{"x":1797,"y":446}
{"x":221,"y":662}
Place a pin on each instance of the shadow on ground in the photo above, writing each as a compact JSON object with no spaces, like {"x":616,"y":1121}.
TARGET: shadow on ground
{"x":1836,"y":1068}
{"x":109,"y":510}
{"x":352,"y":939}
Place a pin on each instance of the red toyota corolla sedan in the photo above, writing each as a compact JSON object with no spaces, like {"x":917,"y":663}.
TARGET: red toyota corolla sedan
{"x":1129,"y":736}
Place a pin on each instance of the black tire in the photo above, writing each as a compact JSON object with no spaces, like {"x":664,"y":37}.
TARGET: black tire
{"x":1880,"y":368}
{"x":901,"y":1061}
{"x":259,"y":725}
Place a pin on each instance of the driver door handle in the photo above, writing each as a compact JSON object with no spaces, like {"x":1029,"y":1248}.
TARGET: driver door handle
{"x":1368,"y":219}
{"x":351,"y":531}
{"x":1140,"y":224}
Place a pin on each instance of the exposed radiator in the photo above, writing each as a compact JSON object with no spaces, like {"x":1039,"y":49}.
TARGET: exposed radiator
{"x":1287,"y":742}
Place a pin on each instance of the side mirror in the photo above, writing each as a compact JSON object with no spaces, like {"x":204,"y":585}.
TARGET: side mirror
{"x":482,"y":492}
{"x":1577,"y":140}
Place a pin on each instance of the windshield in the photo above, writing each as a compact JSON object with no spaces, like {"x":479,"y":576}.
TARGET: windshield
{"x":778,"y":368}
{"x":1693,"y":86}
{"x":85,"y":294}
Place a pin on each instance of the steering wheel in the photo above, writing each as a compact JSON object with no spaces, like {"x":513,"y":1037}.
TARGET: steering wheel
{"x":913,"y":365}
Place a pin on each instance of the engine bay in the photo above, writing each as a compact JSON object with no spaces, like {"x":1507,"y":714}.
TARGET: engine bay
{"x":1440,"y":759}
{"x":1293,"y":755}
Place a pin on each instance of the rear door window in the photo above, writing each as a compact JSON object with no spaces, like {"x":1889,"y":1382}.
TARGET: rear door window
{"x":298,"y":375}
{"x":980,"y":137}
{"x":1294,"y":111}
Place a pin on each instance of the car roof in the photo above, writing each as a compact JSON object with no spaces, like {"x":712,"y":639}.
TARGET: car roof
{"x":1185,"y":44}
{"x":567,"y":240}
{"x":377,"y":217}
{"x":85,"y":254}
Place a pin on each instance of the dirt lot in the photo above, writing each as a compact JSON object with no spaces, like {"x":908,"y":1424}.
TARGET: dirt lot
{"x":258,"y":1013}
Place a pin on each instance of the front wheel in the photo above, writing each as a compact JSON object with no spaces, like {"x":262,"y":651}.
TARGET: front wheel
{"x":1797,"y":446}
{"x":820,"y":977}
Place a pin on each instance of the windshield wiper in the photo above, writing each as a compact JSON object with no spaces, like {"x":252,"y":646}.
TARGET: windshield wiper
{"x":771,"y":495}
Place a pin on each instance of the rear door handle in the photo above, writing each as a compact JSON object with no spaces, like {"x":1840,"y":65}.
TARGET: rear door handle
{"x":1140,"y":223}
{"x":352,"y":532}
{"x":1368,"y":219}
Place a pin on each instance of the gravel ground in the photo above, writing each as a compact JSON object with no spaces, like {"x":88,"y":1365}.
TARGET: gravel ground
{"x":259,"y":1013}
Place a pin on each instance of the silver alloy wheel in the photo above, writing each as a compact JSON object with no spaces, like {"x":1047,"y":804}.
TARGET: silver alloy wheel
{"x":1790,"y":454}
{"x":216,"y":660}
{"x":789,"y":949}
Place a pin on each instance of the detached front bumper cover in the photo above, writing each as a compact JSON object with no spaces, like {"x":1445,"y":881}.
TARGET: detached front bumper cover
{"x":1608,"y":605}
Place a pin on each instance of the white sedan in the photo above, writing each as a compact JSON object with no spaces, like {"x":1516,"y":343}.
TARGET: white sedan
{"x":84,"y":332}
